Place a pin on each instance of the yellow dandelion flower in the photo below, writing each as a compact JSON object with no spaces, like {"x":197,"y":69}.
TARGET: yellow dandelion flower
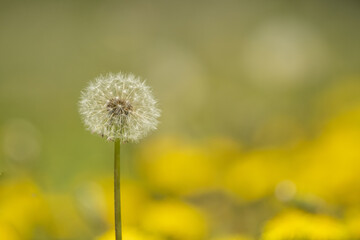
{"x":234,"y":237}
{"x":8,"y":232}
{"x":133,"y":200}
{"x":173,"y":166}
{"x":295,"y":224}
{"x":24,"y":207}
{"x":174,"y":219}
{"x":256,"y":174}
{"x":129,"y":234}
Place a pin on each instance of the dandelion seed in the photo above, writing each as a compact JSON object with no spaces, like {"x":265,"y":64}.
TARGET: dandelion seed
{"x":119,"y":106}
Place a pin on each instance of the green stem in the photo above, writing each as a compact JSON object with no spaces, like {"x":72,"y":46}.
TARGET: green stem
{"x":117,"y":201}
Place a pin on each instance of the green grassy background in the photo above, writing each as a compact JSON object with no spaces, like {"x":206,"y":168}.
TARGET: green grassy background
{"x":261,"y":73}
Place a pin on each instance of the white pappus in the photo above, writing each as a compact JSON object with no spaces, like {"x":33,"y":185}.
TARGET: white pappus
{"x":119,"y":106}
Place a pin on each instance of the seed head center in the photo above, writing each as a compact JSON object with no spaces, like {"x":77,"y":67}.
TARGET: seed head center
{"x":117,"y":106}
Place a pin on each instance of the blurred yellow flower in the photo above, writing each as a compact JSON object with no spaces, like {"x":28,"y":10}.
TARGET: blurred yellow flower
{"x":134,"y":200}
{"x":352,"y":221}
{"x":295,"y":224}
{"x":98,"y":197}
{"x":172,"y":166}
{"x":176,"y":220}
{"x":256,"y":174}
{"x":129,"y":234}
{"x":67,"y":221}
{"x":7,"y":232}
{"x":331,"y":163}
{"x":234,"y":237}
{"x":24,"y":207}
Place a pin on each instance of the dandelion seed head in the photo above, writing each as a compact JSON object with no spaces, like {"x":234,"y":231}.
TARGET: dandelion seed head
{"x":119,"y":106}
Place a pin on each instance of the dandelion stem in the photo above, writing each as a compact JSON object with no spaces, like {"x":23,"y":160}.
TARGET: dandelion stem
{"x":117,"y":201}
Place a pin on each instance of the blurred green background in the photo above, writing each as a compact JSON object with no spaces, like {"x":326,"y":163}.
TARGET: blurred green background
{"x":259,"y":135}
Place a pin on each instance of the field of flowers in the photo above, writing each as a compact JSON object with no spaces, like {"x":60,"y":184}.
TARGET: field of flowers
{"x":210,"y":189}
{"x":259,"y":136}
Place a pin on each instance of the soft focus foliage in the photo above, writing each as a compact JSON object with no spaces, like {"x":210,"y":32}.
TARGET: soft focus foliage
{"x":259,"y":135}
